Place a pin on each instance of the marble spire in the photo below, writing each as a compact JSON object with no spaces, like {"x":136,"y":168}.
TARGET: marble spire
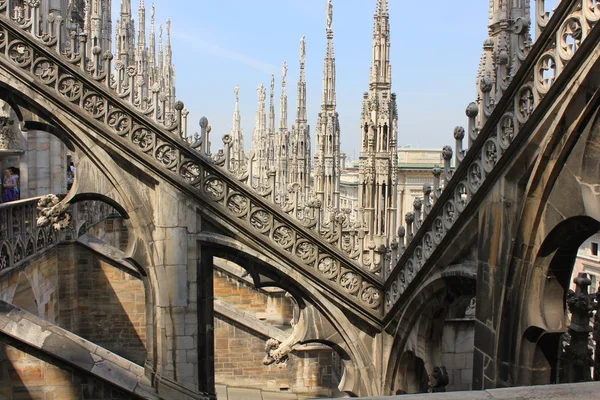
{"x":125,"y":35}
{"x":504,"y":50}
{"x":327,"y":157}
{"x":237,"y":150}
{"x":282,"y":139}
{"x":377,"y":195}
{"x":300,"y":137}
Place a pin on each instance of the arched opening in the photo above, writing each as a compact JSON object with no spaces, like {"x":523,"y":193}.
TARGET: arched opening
{"x":385,"y":138}
{"x":255,"y":328}
{"x":24,"y":296}
{"x":256,"y":301}
{"x":39,"y":157}
{"x":438,"y":328}
{"x":412,"y":375}
{"x":564,"y":253}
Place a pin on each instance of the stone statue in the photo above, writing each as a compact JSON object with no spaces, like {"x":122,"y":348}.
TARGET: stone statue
{"x":152,"y":11}
{"x":284,"y":72}
{"x":470,"y":311}
{"x":302,"y":49}
{"x":9,"y":139}
{"x":329,"y":14}
{"x":236,"y":90}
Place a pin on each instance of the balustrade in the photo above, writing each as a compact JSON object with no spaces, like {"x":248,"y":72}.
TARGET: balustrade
{"x":31,"y":226}
{"x":20,"y":237}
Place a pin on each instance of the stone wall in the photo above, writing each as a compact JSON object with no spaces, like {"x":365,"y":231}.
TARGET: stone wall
{"x":85,"y":293}
{"x":457,"y":352}
{"x":239,"y":358}
{"x":113,"y":231}
{"x":270,"y":306}
{"x":36,"y":283}
{"x":27,"y":374}
{"x":111,"y":306}
{"x":240,"y":350}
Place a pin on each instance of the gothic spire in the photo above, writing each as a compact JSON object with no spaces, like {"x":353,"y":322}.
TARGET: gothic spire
{"x":507,"y":44}
{"x":168,"y":49}
{"x":327,"y":156}
{"x":237,"y":154}
{"x":381,"y":74}
{"x":377,"y":193}
{"x":301,"y":102}
{"x":126,"y":7}
{"x":152,"y":49}
{"x":283,"y":100}
{"x":125,"y":35}
{"x":272,"y":106}
{"x":142,"y":26}
{"x":328,"y":100}
{"x":161,"y":58}
{"x":300,"y":139}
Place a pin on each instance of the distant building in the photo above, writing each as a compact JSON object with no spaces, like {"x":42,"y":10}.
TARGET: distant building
{"x":588,"y":261}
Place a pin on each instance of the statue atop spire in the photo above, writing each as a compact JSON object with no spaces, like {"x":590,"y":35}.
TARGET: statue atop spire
{"x":327,"y":156}
{"x":302,"y":50}
{"x":329,"y":15}
{"x":284,"y":70}
{"x":237,"y":137}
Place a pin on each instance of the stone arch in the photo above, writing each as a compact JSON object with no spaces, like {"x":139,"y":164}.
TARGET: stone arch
{"x":24,"y":296}
{"x":109,"y":168}
{"x":424,"y":315}
{"x":540,"y":342}
{"x":323,"y":322}
{"x":555,"y":210}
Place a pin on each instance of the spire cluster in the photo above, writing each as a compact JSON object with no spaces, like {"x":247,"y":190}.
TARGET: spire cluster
{"x":154,"y":72}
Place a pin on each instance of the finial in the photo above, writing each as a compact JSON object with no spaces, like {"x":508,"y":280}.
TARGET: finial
{"x":272,"y":83}
{"x":152,"y":11}
{"x":236,"y":90}
{"x":141,"y":3}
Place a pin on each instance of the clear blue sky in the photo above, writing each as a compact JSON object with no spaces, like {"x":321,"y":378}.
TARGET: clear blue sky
{"x":218,"y":44}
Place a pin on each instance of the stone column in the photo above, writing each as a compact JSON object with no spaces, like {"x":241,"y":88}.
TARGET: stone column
{"x":206,"y":339}
{"x":176,"y":259}
{"x":57,"y":165}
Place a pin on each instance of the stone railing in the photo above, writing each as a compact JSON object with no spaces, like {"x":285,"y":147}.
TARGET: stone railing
{"x":327,"y":255}
{"x":560,"y":39}
{"x":20,"y":237}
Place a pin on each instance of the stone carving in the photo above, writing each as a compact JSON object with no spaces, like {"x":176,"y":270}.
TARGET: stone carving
{"x":9,"y":139}
{"x":439,"y":380}
{"x":578,"y":356}
{"x":52,"y":212}
{"x":470,"y":310}
{"x":275,"y":354}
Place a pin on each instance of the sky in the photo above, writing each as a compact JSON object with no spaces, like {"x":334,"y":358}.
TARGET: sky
{"x":435,"y":51}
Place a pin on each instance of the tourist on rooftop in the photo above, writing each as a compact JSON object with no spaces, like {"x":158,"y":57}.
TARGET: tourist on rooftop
{"x":10,"y":184}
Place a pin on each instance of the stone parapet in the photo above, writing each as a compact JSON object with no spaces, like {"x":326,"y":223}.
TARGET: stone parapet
{"x":577,"y":391}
